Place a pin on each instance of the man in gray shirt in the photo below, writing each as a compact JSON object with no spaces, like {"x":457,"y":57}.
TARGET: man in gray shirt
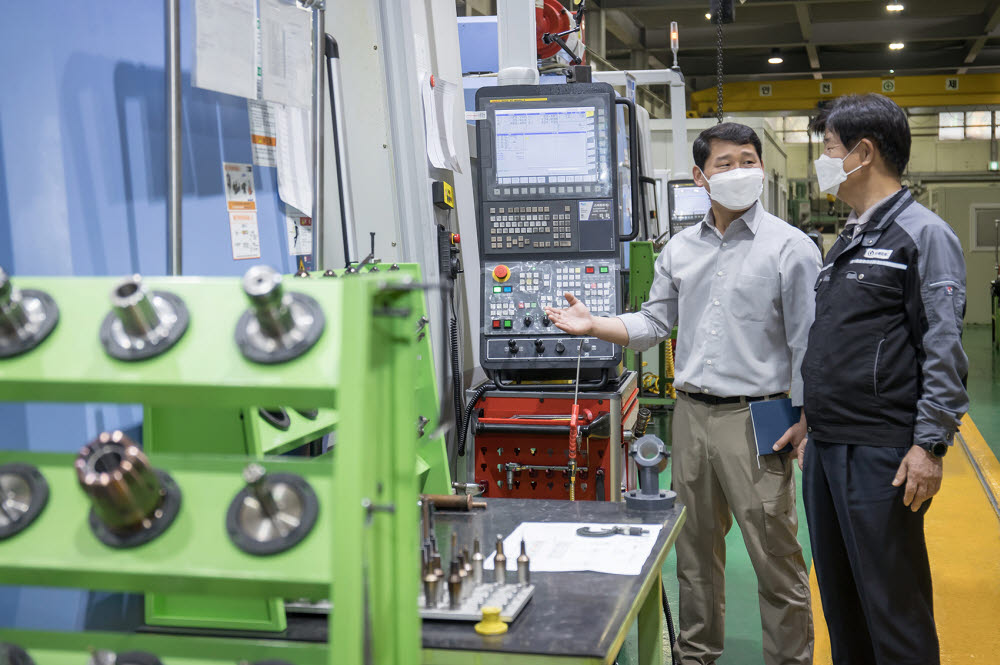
{"x":739,"y":285}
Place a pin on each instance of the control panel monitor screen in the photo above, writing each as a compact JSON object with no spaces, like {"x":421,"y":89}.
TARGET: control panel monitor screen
{"x":550,"y":143}
{"x":689,"y":203}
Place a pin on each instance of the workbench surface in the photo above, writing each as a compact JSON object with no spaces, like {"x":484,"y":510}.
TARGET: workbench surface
{"x":579,"y":615}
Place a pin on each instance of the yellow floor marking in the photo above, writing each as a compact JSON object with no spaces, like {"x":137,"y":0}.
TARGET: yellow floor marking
{"x":963,"y":540}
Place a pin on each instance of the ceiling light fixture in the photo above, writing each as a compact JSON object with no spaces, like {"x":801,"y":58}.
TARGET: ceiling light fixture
{"x":708,"y":17}
{"x":894,"y":7}
{"x":775,"y":58}
{"x":895,"y":46}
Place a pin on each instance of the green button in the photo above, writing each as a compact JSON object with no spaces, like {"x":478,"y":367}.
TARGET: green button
{"x":507,"y":323}
{"x":534,"y":304}
{"x":604,"y":268}
{"x":497,"y":289}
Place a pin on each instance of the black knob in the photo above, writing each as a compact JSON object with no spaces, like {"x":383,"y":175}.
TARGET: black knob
{"x":527,"y":322}
{"x":546,"y":322}
{"x":560,"y":347}
{"x":512,"y":346}
{"x":539,"y":345}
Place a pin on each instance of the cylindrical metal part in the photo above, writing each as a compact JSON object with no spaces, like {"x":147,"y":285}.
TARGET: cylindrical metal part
{"x":477,"y":563}
{"x":431,"y":588}
{"x":254,"y":475}
{"x":523,"y":566}
{"x":454,"y":587}
{"x":175,"y":186}
{"x":463,"y":576}
{"x":438,"y":566}
{"x":132,"y":305}
{"x":500,"y":563}
{"x":262,"y":284}
{"x":467,"y":561}
{"x":453,"y":501}
{"x":121,"y":485}
{"x":14,"y":319}
{"x":318,"y":122}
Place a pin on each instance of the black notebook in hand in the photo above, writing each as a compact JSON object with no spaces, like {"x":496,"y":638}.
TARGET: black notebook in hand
{"x":771,"y":419}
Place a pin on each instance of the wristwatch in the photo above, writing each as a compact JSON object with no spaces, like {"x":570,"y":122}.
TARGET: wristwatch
{"x":938,"y":449}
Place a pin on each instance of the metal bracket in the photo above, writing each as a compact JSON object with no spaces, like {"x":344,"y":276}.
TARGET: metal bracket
{"x":372,"y":508}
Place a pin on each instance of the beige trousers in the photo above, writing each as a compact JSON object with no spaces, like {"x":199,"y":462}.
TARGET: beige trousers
{"x":716,"y":476}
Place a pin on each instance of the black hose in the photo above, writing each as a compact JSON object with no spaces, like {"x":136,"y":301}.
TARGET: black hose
{"x":463,"y":432}
{"x":670,"y":621}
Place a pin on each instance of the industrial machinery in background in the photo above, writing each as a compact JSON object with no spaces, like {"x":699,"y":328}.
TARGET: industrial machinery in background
{"x":201,"y":515}
{"x":558,"y":30}
{"x":553,"y":419}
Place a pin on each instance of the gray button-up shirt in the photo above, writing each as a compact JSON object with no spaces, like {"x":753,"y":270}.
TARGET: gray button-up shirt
{"x":743,"y":303}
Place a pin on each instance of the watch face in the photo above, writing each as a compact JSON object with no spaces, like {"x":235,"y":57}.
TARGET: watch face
{"x":939,"y":449}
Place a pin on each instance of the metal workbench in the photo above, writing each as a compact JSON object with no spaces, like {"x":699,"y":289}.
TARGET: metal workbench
{"x":573,"y":617}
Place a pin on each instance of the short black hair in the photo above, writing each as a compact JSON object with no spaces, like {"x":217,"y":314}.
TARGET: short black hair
{"x":732,"y":132}
{"x":870,"y":116}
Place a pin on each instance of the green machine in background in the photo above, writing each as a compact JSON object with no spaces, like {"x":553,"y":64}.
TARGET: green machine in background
{"x":200,"y":513}
{"x":659,"y":391}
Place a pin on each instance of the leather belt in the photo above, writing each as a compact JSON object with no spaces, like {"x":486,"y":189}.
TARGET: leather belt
{"x":718,"y":401}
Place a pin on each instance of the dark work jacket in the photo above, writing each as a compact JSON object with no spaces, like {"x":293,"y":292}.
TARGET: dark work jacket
{"x":885,"y":364}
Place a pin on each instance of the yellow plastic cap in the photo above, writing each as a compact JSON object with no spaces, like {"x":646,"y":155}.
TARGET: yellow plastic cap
{"x":491,"y":623}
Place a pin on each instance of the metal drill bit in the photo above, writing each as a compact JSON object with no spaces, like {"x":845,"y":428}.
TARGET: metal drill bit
{"x":454,"y":586}
{"x":500,"y":563}
{"x":425,"y":511}
{"x":438,"y":570}
{"x":477,"y":563}
{"x":467,"y":561}
{"x":523,"y":566}
{"x":431,"y":590}
{"x":463,"y":576}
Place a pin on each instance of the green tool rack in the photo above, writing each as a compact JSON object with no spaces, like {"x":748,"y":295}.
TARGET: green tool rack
{"x":370,"y":370}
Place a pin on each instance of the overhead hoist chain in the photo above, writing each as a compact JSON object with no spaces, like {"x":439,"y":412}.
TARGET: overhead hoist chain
{"x":718,"y":64}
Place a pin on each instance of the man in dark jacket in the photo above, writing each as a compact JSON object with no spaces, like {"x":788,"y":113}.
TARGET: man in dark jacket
{"x":884,"y":390}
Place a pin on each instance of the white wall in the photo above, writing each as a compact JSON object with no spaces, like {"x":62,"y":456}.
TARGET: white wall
{"x":954,"y":204}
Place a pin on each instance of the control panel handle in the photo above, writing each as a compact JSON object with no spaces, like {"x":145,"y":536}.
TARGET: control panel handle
{"x":633,"y":158}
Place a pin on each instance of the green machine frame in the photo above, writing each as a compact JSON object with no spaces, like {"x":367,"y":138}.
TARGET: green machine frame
{"x":360,"y":374}
{"x":642,"y":260}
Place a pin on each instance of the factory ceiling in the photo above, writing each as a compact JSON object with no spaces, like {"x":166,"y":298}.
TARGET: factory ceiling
{"x":813,"y":38}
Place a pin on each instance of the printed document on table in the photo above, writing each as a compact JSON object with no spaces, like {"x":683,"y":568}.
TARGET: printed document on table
{"x":555,"y":547}
{"x":225,"y":46}
{"x":286,"y":53}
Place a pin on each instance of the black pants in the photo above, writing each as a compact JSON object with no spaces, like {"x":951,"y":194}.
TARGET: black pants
{"x":870,"y":557}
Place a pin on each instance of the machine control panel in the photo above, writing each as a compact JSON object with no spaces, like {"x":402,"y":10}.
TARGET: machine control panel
{"x":548,"y":221}
{"x":519,"y":292}
{"x":551,"y":226}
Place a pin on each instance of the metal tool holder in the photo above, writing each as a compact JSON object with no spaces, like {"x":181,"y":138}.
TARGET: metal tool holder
{"x":363,"y":369}
{"x":510,"y":598}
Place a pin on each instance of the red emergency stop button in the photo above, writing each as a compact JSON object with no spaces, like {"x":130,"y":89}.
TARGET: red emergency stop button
{"x":501,"y":273}
{"x":456,"y":239}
